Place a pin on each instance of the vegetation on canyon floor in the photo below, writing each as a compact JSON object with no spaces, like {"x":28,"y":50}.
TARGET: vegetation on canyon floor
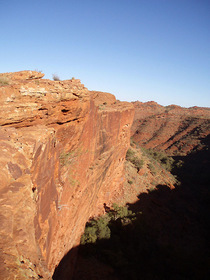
{"x":156,"y":161}
{"x":160,"y":156}
{"x":100,"y":228}
{"x":161,"y":236}
{"x":134,"y":158}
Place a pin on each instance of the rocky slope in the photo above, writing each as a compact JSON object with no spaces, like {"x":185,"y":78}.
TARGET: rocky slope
{"x":174,"y":129}
{"x":168,"y":237}
{"x":144,"y":175}
{"x":63,"y":151}
{"x":62,"y":157}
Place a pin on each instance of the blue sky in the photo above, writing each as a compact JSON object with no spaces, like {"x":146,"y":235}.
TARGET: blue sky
{"x":136,"y":49}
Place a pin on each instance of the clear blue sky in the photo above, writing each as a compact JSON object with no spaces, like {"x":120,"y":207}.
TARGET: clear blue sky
{"x":136,"y":49}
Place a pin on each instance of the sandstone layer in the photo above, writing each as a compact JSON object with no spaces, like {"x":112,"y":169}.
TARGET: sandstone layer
{"x":62,"y":156}
{"x":174,"y":129}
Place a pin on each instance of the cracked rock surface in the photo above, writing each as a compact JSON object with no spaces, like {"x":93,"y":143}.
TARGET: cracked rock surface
{"x":62,"y":152}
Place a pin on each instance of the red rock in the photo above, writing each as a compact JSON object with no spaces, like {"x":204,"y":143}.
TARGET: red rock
{"x":62,"y":158}
{"x":172,"y":128}
{"x":22,"y":75}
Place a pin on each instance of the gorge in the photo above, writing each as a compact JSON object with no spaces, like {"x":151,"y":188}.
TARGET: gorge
{"x":63,"y":157}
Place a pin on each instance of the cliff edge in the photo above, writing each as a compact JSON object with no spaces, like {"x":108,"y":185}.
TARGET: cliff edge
{"x":62,"y":157}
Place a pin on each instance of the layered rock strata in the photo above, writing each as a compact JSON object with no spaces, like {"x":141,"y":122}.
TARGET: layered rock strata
{"x":174,"y":129}
{"x":62,"y":155}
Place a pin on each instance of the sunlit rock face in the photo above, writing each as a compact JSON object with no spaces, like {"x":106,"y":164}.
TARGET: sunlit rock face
{"x":175,"y":129}
{"x":62,"y":157}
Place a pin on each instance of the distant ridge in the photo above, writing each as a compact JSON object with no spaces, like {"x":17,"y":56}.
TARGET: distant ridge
{"x":175,"y":129}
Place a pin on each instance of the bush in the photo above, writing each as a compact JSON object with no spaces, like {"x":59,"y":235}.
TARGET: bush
{"x":89,"y":235}
{"x":4,"y":81}
{"x":96,"y":229}
{"x":138,"y":163}
{"x":103,"y":231}
{"x":130,"y":154}
{"x":135,"y":160}
{"x":99,"y":228}
{"x":120,"y":211}
{"x":160,"y":156}
{"x":55,"y":77}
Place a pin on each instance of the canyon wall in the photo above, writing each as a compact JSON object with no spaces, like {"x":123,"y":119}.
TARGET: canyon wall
{"x":62,"y":157}
{"x":175,"y":129}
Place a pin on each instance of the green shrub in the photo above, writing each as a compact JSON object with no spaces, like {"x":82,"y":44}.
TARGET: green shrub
{"x":103,"y":231}
{"x":135,"y":160}
{"x":120,"y":211}
{"x":96,"y":229}
{"x":167,"y":162}
{"x":99,"y":228}
{"x":138,"y":163}
{"x":160,"y":156}
{"x":89,"y":235}
{"x":130,"y":154}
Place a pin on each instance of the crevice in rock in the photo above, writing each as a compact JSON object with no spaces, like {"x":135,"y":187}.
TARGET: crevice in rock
{"x":64,"y":122}
{"x":65,"y":111}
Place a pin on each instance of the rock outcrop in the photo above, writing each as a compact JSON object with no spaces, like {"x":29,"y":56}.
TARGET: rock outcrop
{"x":174,"y":129}
{"x":62,"y":156}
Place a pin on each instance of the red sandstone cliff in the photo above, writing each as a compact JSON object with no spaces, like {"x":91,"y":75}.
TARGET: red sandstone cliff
{"x":172,"y":128}
{"x":62,"y":157}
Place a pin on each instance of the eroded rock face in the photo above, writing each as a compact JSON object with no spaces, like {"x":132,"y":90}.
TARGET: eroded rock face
{"x":22,"y":75}
{"x":174,"y":129}
{"x":62,"y":155}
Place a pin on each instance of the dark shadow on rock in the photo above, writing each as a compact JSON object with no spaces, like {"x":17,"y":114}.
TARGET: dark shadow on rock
{"x":66,"y":266}
{"x":168,"y":240}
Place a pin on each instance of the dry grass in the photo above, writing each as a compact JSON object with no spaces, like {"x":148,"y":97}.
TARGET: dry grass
{"x":4,"y":81}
